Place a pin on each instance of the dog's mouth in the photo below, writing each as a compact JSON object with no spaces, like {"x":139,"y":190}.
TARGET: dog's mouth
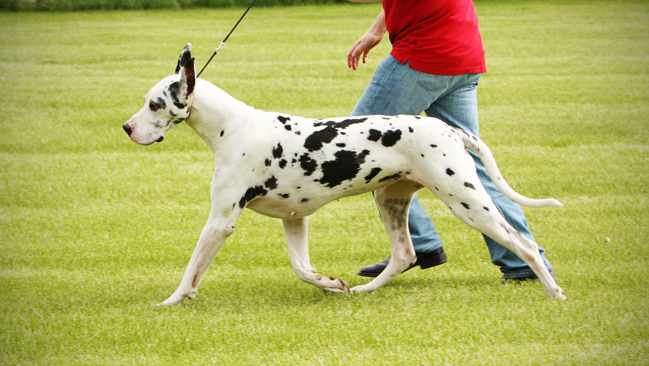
{"x":143,"y":143}
{"x":160,"y":139}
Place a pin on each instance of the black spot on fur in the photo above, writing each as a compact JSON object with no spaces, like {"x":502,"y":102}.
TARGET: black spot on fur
{"x":174,"y":89}
{"x":390,"y":138}
{"x":287,"y":127}
{"x":485,"y":208}
{"x":449,"y":171}
{"x":172,"y":113}
{"x":465,"y":205}
{"x":373,"y":173}
{"x":271,"y":183}
{"x":433,"y":145}
{"x":161,"y":102}
{"x":251,"y":194}
{"x":317,"y":139}
{"x":222,"y":132}
{"x":411,"y":130}
{"x":284,"y":195}
{"x":342,"y":124}
{"x":283,"y":119}
{"x":341,"y":144}
{"x":282,"y":163}
{"x":184,"y":58}
{"x":345,"y":167}
{"x":374,"y":135}
{"x":267,"y":162}
{"x":307,"y":164}
{"x":469,"y":185}
{"x":278,"y":151}
{"x":397,"y":209}
{"x":304,"y":200}
{"x":390,"y":177}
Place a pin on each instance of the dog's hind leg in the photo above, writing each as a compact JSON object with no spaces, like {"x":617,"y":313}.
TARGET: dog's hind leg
{"x":297,"y":237}
{"x":495,"y":226}
{"x":214,"y":234}
{"x":467,"y":198}
{"x":394,"y":203}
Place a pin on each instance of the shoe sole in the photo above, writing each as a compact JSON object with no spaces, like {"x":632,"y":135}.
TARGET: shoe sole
{"x":424,"y":264}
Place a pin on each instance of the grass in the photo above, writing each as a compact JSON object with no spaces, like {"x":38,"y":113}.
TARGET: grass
{"x":94,"y":230}
{"x":77,"y":5}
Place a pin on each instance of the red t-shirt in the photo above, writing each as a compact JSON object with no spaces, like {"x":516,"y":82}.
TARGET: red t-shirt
{"x":436,"y":36}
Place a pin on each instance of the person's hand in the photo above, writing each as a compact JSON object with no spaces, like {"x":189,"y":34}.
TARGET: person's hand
{"x":362,"y":47}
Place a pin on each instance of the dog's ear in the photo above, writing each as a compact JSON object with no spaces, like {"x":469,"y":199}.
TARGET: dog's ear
{"x":185,"y":56}
{"x":187,"y":79}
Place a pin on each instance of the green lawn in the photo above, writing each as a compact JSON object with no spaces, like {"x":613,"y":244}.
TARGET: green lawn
{"x":95,"y":230}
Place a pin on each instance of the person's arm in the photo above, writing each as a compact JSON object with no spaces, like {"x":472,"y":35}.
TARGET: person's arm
{"x":368,"y":41}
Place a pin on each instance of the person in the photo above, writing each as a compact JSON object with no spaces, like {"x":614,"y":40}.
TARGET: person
{"x":434,"y":67}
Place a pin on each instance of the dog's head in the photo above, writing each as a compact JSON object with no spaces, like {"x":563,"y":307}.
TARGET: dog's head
{"x":166,"y":104}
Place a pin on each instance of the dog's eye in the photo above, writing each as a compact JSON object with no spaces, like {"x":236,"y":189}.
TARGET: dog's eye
{"x":153,"y":106}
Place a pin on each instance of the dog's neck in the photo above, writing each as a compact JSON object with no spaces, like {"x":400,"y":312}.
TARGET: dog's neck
{"x":214,"y":112}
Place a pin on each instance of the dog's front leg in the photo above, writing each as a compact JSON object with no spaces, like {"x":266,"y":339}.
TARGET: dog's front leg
{"x":297,"y":237}
{"x":214,"y":234}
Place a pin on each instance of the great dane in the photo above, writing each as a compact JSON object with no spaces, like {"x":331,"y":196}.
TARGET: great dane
{"x":288,"y":167}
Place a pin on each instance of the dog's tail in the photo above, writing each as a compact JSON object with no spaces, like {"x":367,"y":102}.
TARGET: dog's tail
{"x":474,"y":143}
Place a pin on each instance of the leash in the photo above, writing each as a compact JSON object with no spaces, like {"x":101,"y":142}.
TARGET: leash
{"x":216,"y":51}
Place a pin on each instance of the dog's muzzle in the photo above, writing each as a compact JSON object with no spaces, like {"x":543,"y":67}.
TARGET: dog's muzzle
{"x":129,"y":132}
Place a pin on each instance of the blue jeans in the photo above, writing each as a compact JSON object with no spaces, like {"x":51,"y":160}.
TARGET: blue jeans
{"x":398,"y":89}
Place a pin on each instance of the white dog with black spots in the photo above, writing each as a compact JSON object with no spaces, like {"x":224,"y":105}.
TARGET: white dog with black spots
{"x":288,"y":167}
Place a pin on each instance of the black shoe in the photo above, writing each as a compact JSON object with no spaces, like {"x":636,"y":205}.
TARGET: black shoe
{"x":527,"y":278}
{"x":424,"y":260}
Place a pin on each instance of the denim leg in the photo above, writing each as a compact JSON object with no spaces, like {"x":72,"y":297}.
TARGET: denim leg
{"x":422,"y":230}
{"x":460,"y":109}
{"x":394,"y":90}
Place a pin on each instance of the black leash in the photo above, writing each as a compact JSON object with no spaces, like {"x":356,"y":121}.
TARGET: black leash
{"x":216,"y":51}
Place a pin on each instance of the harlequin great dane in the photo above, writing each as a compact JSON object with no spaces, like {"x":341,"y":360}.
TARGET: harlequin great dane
{"x":287,"y":167}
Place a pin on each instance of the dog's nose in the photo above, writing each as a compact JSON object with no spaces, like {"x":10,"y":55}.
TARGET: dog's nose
{"x":160,"y":139}
{"x":127,"y":128}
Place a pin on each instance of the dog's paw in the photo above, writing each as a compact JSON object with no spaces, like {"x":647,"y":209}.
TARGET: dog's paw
{"x":361,"y":288}
{"x":174,"y":299}
{"x":339,"y":287}
{"x":557,"y":294}
{"x":170,"y":302}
